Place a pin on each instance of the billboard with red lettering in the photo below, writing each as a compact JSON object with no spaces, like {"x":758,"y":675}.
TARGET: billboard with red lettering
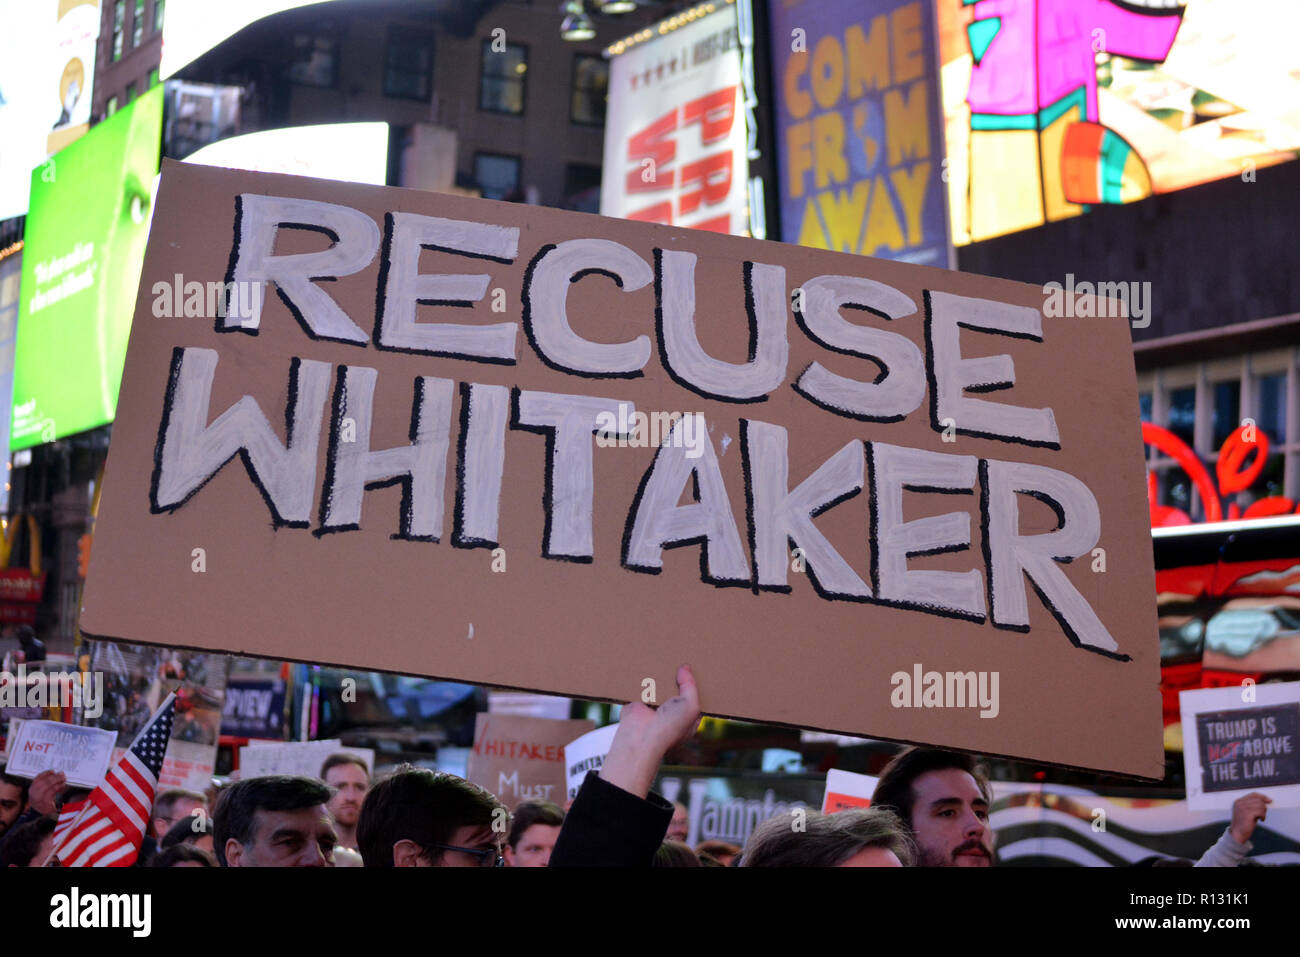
{"x":675,"y":136}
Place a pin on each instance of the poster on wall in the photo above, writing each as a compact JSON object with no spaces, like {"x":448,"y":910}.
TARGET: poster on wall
{"x":675,"y":135}
{"x":83,"y":247}
{"x":1055,"y":106}
{"x":858,"y":127}
{"x":137,"y":678}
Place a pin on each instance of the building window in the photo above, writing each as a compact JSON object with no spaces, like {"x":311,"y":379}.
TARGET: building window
{"x":137,"y":24}
{"x":119,"y":28}
{"x":497,"y":175}
{"x":590,"y":88}
{"x":1205,"y":404}
{"x":110,"y":107}
{"x":313,"y":59}
{"x":582,"y":188}
{"x":153,"y":78}
{"x":408,"y":64}
{"x":159,"y":8}
{"x":130,"y":94}
{"x":501,"y":78}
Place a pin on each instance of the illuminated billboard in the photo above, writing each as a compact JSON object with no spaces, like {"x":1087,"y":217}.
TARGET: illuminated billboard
{"x":47,"y":65}
{"x":193,"y":27}
{"x":84,"y":245}
{"x":676,"y":148}
{"x":858,"y":127}
{"x":1054,"y":106}
{"x":352,"y":152}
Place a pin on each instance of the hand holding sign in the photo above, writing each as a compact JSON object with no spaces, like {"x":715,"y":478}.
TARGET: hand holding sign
{"x":46,"y":787}
{"x":1247,"y":811}
{"x":645,"y":734}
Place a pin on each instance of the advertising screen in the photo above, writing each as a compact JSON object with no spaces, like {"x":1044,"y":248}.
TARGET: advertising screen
{"x":1054,"y":106}
{"x":84,"y":244}
{"x":858,"y":128}
{"x":47,"y":64}
{"x":675,"y":135}
{"x":352,"y":152}
{"x":193,"y":27}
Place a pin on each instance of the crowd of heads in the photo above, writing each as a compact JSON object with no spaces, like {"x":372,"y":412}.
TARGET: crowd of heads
{"x":930,"y":808}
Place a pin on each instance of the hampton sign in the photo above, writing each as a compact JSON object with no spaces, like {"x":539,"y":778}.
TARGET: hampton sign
{"x":392,"y":463}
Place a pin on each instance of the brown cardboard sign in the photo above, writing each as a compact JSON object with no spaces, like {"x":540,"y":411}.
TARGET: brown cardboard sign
{"x":557,"y":452}
{"x":522,"y":759}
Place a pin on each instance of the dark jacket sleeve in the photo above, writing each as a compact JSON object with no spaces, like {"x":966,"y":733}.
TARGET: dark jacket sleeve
{"x":608,"y":827}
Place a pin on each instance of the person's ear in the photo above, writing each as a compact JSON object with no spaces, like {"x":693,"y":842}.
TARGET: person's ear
{"x":406,"y":853}
{"x":234,"y":853}
{"x":508,"y":853}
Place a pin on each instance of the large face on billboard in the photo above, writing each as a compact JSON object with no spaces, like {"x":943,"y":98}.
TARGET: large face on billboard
{"x":675,"y":138}
{"x":85,"y":243}
{"x":858,"y":130}
{"x":1053,"y":106}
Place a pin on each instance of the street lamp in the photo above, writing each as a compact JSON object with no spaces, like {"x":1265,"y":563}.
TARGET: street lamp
{"x":576,"y":25}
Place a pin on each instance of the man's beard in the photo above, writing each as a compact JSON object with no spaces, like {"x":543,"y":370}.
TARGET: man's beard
{"x":929,"y":857}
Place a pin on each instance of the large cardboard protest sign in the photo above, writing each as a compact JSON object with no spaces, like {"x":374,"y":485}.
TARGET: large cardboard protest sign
{"x":556,"y":452}
{"x":1239,"y":740}
{"x":520,"y":758}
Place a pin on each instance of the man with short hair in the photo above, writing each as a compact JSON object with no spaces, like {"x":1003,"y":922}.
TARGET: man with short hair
{"x":30,"y":843}
{"x":861,"y":837}
{"x":415,"y":817}
{"x":33,"y":649}
{"x":349,"y":776}
{"x":533,"y":829}
{"x":943,"y":799}
{"x":189,"y":830}
{"x":274,"y":821}
{"x":13,"y":798}
{"x":35,"y":799}
{"x":171,"y":806}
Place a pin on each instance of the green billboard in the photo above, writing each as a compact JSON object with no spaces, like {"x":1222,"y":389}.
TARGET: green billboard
{"x":83,"y":248}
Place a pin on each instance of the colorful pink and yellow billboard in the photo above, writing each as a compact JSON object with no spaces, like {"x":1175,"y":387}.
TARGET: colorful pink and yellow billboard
{"x":1054,"y":106}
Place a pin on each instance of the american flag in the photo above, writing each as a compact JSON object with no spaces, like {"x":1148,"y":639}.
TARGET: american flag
{"x":110,"y":824}
{"x":68,"y":816}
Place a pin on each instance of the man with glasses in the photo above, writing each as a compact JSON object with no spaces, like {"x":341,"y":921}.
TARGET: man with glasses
{"x":420,"y":818}
{"x":416,"y":818}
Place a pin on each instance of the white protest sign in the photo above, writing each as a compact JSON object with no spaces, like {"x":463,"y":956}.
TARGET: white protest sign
{"x":846,"y":789}
{"x":1241,"y":739}
{"x":302,"y":758}
{"x":584,"y":754}
{"x":82,"y":754}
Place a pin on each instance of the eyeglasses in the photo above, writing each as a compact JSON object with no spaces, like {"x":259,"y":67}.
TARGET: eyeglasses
{"x":485,"y":856}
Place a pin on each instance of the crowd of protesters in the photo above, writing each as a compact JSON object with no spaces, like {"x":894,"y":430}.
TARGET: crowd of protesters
{"x":930,"y":808}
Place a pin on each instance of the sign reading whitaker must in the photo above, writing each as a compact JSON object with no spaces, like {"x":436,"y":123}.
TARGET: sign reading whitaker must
{"x":393,"y":463}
